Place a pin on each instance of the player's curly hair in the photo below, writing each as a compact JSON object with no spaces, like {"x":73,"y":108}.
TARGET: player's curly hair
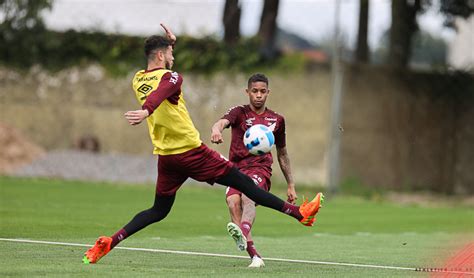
{"x":155,"y":42}
{"x":257,"y":77}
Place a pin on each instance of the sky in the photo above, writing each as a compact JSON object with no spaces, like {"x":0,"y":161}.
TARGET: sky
{"x":311,"y":19}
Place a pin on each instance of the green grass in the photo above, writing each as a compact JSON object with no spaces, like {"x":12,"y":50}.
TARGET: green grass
{"x":349,"y":229}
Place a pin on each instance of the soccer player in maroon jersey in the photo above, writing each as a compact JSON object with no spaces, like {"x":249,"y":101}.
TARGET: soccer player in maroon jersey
{"x":181,"y":153}
{"x":258,"y":167}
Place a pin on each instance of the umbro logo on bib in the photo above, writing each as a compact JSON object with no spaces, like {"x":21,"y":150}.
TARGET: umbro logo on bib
{"x":144,"y":89}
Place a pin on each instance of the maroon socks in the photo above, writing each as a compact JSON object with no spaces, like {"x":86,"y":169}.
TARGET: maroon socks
{"x":246,"y":227}
{"x":118,"y":237}
{"x":292,"y":210}
{"x":252,"y":250}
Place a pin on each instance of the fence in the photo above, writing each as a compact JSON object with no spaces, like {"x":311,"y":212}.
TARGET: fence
{"x":400,"y":130}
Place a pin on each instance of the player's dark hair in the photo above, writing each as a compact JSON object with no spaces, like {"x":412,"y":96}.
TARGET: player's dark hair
{"x":155,"y":42}
{"x":258,"y":77}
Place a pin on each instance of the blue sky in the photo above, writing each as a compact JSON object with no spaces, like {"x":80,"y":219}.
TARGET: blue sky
{"x":312,"y":19}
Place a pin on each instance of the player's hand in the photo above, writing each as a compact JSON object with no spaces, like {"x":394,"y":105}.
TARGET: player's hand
{"x":291,"y":193}
{"x":169,"y":34}
{"x":135,"y":117}
{"x":216,"y":137}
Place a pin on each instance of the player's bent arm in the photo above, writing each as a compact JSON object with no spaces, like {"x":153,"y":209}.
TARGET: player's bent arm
{"x":170,"y":84}
{"x":169,"y":34}
{"x":284,"y":162}
{"x":216,"y":131}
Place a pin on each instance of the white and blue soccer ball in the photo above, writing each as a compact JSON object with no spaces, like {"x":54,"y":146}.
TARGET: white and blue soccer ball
{"x":259,"y":139}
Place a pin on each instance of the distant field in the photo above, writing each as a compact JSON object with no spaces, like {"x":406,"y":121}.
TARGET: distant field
{"x":348,"y":230}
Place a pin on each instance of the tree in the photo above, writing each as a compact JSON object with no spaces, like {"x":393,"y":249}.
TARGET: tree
{"x":404,"y":26}
{"x":268,"y":28}
{"x":22,"y":30}
{"x":231,"y":20}
{"x":453,"y":8}
{"x":362,"y":50}
{"x":23,"y":14}
{"x":427,"y":50}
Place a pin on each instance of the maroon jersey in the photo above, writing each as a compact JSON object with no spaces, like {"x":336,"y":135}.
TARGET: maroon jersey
{"x":241,"y":118}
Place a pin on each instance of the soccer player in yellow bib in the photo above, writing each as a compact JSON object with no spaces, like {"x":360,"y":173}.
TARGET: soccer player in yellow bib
{"x":181,"y":153}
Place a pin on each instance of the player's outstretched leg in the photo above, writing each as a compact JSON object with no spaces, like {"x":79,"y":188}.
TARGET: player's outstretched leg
{"x":103,"y":245}
{"x":305,"y":214}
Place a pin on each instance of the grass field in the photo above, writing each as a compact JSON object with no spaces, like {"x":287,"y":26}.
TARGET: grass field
{"x":348,"y":230}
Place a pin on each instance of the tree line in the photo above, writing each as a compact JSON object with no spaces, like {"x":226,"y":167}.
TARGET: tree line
{"x":401,"y":35}
{"x":25,"y":41}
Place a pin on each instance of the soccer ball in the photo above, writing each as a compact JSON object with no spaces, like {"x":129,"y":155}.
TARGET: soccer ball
{"x":259,"y":139}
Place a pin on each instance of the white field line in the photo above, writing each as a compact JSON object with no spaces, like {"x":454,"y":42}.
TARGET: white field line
{"x":240,"y":257}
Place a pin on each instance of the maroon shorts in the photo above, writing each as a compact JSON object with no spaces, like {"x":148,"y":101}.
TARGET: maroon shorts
{"x":201,"y":164}
{"x":260,"y":176}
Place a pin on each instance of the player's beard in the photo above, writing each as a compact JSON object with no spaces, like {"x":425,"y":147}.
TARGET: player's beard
{"x":168,"y":65}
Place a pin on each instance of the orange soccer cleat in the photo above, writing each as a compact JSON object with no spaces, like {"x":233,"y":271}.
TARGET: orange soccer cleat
{"x":100,"y":249}
{"x":309,"y":210}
